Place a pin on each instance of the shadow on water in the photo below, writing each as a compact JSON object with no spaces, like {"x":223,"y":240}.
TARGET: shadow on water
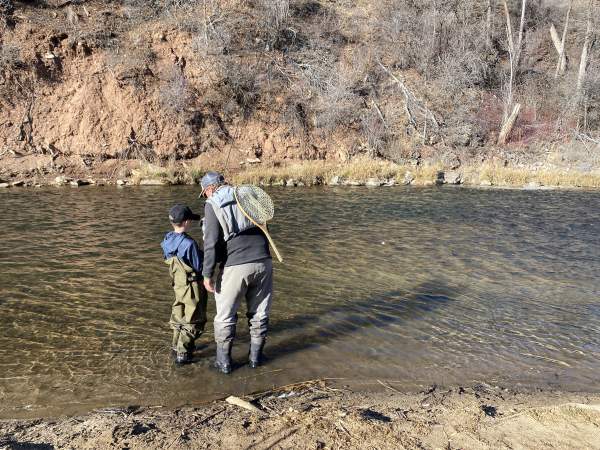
{"x":337,"y":321}
{"x":381,"y":310}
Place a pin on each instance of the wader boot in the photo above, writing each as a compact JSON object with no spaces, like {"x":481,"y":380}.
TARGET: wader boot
{"x":255,"y":358}
{"x":188,"y":313}
{"x":223,"y":360}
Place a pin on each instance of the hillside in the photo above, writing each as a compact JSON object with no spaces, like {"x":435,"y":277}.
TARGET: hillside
{"x":101,"y":88}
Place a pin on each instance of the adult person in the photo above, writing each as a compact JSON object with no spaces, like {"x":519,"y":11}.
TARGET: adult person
{"x":237,"y":265}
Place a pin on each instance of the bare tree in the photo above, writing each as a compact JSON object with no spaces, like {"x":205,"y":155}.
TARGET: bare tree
{"x":488,"y":24}
{"x":585,"y":50}
{"x":514,"y":51}
{"x":561,"y":65}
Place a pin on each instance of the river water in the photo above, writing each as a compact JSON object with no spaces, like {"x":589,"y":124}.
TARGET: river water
{"x":408,"y":286}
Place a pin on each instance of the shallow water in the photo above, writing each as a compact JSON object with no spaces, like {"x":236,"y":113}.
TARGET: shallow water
{"x":412,"y":286}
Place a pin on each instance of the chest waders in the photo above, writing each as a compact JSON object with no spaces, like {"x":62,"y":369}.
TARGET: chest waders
{"x":188,"y":313}
{"x":251,"y":281}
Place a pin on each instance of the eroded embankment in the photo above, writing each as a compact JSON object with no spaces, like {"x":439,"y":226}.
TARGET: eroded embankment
{"x":319,"y":415}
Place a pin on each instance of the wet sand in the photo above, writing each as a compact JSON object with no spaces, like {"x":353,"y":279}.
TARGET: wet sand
{"x":323,"y":415}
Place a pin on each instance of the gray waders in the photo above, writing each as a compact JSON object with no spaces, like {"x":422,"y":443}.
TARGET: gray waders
{"x":188,"y":314}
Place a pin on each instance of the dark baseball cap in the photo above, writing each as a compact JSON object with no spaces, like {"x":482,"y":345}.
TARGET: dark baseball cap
{"x":210,"y":179}
{"x":181,"y":213}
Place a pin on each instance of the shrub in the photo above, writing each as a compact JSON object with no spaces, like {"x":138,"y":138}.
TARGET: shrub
{"x":177,"y":95}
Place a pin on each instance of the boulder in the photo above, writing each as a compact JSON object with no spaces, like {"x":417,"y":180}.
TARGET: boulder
{"x":154,"y":182}
{"x":4,"y":185}
{"x":485,"y":183}
{"x":532,"y":185}
{"x":440,"y":178}
{"x":374,"y":182}
{"x":291,"y":182}
{"x":77,"y":183}
{"x":408,"y":178}
{"x":335,"y":181}
{"x":354,"y":183}
{"x":391,"y":182}
{"x":121,"y":182}
{"x":453,"y":177}
{"x":17,"y":183}
{"x":61,"y":180}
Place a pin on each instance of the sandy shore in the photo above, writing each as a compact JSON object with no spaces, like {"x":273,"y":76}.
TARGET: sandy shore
{"x":319,"y":415}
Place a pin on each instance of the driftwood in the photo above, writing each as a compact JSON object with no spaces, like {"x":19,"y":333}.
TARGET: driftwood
{"x":508,"y":125}
{"x":232,"y":400}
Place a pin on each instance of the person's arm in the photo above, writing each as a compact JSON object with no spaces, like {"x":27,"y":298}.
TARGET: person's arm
{"x":195,"y":257}
{"x":211,"y":239}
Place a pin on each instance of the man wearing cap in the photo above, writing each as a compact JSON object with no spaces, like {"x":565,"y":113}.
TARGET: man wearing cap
{"x":240,"y":252}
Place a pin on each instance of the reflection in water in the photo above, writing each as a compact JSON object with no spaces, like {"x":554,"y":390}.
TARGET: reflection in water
{"x":413,"y":285}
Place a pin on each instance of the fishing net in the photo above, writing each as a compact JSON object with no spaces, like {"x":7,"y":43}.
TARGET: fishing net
{"x":255,"y":202}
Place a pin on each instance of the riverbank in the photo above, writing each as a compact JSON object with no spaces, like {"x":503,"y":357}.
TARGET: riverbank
{"x":328,"y":415}
{"x":358,"y":172}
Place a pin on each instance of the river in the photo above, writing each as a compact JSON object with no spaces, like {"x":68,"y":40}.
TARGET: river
{"x":411,"y":286}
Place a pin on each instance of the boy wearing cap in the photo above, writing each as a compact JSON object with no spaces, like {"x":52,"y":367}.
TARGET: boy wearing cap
{"x":184,"y":258}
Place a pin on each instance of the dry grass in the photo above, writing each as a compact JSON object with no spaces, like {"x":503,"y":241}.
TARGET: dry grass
{"x":510,"y":176}
{"x":311,"y":173}
{"x":319,"y":172}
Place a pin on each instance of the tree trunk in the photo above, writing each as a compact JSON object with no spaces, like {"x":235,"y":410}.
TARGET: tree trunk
{"x":562,"y":64}
{"x":514,"y":52}
{"x":585,"y":50}
{"x":488,"y":24}
{"x":508,"y":125}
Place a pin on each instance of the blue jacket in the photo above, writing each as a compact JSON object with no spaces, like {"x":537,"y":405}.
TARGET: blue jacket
{"x":185,"y":248}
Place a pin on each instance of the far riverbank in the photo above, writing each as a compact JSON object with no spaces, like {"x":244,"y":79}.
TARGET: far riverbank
{"x":360,"y":172}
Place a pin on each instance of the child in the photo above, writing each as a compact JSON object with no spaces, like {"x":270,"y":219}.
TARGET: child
{"x":184,"y":259}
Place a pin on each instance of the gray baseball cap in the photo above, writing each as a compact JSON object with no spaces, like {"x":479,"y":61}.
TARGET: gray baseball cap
{"x":210,"y":179}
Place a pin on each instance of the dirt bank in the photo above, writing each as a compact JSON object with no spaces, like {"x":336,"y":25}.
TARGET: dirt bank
{"x":323,"y":415}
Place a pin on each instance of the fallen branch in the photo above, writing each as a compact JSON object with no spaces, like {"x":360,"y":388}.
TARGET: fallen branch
{"x":387,"y":386}
{"x":411,"y":104}
{"x":232,"y":400}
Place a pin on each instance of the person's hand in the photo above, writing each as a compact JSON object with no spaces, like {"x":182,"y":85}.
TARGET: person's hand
{"x":209,"y":285}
